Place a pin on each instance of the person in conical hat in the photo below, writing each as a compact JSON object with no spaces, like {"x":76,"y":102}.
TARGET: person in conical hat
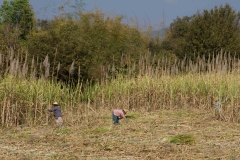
{"x":57,"y":114}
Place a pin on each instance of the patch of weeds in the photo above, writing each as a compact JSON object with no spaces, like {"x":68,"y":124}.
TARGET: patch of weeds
{"x":63,"y":131}
{"x":183,"y":139}
{"x":132,"y":115}
{"x":102,"y":129}
{"x":52,"y":155}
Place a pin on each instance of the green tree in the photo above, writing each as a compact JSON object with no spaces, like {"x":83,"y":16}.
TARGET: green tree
{"x":91,"y":42}
{"x":205,"y":33}
{"x":18,"y":13}
{"x":215,"y":30}
{"x":175,"y":38}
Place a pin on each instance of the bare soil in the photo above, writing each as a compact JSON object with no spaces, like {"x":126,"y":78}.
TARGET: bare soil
{"x":144,"y":135}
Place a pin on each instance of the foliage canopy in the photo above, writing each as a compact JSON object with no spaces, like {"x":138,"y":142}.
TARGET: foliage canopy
{"x":205,"y":33}
{"x":91,"y":42}
{"x":18,"y":13}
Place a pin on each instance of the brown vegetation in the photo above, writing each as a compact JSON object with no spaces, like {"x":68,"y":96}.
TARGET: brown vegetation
{"x":146,"y":135}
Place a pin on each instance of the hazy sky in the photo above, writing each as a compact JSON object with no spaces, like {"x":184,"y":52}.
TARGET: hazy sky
{"x":146,"y":12}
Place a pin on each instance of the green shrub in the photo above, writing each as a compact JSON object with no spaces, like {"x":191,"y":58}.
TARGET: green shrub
{"x":183,"y":139}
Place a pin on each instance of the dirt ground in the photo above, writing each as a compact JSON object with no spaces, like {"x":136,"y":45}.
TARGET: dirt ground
{"x":142,"y":136}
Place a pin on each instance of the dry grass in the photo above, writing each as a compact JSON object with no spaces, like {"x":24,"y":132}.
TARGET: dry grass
{"x":144,"y":135}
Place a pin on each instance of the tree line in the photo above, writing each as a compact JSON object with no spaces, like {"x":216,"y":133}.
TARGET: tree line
{"x":89,"y":45}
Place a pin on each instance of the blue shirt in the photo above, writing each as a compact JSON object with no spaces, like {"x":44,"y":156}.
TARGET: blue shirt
{"x":57,"y":111}
{"x":218,"y":103}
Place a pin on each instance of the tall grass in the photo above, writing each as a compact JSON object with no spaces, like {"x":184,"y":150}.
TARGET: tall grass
{"x":151,"y":84}
{"x":170,"y":85}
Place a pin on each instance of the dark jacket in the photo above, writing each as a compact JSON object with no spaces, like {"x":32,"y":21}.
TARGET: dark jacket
{"x":57,"y":111}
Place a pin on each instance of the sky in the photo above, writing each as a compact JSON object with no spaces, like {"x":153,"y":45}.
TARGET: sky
{"x":157,"y":13}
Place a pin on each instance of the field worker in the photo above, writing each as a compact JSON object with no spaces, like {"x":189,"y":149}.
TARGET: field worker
{"x":57,"y":114}
{"x":118,"y":114}
{"x":218,"y":109}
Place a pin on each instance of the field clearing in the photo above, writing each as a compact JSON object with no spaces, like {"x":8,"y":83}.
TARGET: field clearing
{"x":143,"y":136}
